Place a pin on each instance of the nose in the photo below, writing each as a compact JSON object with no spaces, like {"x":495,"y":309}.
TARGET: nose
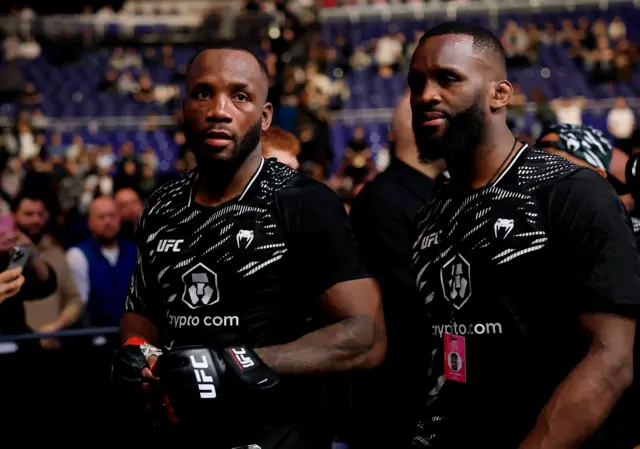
{"x":431,"y":93}
{"x":218,"y":109}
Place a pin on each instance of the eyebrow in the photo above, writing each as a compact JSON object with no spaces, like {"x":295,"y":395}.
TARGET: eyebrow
{"x":234,"y":85}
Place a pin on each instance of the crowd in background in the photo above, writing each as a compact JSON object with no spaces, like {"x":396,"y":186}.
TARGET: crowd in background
{"x":69,"y":179}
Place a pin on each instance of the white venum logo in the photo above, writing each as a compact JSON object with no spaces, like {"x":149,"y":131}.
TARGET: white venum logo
{"x":200,"y":287}
{"x":244,"y":238}
{"x":503,"y":227}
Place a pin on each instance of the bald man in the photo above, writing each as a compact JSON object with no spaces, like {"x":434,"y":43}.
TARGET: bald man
{"x":382,"y":218}
{"x":130,"y":208}
{"x":102,"y":265}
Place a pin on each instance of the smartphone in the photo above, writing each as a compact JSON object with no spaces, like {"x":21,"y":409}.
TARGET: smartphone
{"x":19,"y":257}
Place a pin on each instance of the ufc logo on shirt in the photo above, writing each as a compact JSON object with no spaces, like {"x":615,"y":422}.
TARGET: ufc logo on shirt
{"x":164,"y":246}
{"x":244,"y":360}
{"x":205,"y":382}
{"x":431,"y":239}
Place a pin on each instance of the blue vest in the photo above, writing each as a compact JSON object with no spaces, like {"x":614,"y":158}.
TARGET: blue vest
{"x":109,"y":285}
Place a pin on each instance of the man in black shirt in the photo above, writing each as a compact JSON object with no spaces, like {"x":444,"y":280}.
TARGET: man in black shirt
{"x":525,"y":262}
{"x":246,"y":251}
{"x":382,"y":216}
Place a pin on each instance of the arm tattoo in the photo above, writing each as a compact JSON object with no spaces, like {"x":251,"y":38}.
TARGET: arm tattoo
{"x":339,"y":347}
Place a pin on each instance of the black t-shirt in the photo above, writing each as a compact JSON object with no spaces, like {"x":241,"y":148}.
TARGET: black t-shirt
{"x":249,"y":271}
{"x":510,"y":268}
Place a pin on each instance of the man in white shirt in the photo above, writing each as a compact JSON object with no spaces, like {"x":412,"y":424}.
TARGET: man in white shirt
{"x":621,"y":122}
{"x":569,"y":110}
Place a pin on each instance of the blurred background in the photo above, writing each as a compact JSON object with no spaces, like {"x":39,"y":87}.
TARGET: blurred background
{"x":90,"y":106}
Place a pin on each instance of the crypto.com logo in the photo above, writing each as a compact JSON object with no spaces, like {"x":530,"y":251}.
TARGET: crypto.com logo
{"x":200,"y":287}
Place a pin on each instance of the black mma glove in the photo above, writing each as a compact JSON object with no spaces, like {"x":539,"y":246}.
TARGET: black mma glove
{"x":201,"y":382}
{"x":130,"y":359}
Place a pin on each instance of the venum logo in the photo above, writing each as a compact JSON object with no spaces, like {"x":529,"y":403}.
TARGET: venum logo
{"x":503,"y":227}
{"x":205,"y":382}
{"x":200,"y":287}
{"x":244,"y":238}
{"x":455,"y":277}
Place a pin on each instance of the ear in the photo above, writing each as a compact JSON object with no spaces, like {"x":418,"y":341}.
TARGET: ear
{"x":267,"y":115}
{"x":502,"y":91}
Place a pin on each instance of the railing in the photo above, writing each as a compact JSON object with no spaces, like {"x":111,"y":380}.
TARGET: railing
{"x":451,"y":9}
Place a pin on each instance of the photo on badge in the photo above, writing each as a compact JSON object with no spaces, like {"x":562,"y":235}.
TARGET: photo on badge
{"x":455,"y":361}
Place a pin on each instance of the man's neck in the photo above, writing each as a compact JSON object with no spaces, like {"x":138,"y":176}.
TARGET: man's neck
{"x":488,"y":160}
{"x":219,"y":184}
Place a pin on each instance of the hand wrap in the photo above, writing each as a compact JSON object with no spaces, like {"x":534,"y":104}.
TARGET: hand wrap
{"x":130,"y":359}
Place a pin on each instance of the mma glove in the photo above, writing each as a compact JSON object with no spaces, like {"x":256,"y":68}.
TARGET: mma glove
{"x":202,"y":382}
{"x":130,"y":359}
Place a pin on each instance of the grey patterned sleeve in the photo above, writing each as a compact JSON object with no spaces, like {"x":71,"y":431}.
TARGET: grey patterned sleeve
{"x":140,"y":297}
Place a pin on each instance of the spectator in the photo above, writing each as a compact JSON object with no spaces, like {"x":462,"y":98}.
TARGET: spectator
{"x":102,"y":264}
{"x":130,"y":209}
{"x":602,"y":61}
{"x":29,"y":49}
{"x":39,"y":282}
{"x":388,"y":54}
{"x":144,"y":94}
{"x":28,"y":147}
{"x":76,"y":148}
{"x":56,"y":149}
{"x":110,"y":82}
{"x":360,"y":59}
{"x":31,"y":95}
{"x":71,"y":186}
{"x":147,"y":182}
{"x":621,"y":122}
{"x":281,"y":145}
{"x":63,"y":308}
{"x":12,"y":178}
{"x":126,"y":84}
{"x":544,"y":115}
{"x":516,"y":44}
{"x":617,"y":29}
{"x":38,"y":121}
{"x":149,"y":158}
{"x":569,"y":110}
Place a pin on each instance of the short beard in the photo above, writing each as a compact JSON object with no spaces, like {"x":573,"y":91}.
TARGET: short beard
{"x":35,"y":238}
{"x":242,"y":150}
{"x":459,"y":140}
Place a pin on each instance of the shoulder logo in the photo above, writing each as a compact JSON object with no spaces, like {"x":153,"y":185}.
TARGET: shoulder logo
{"x":200,"y":287}
{"x":167,"y":245}
{"x":503,"y":227}
{"x":244,"y":238}
{"x":455,"y":277}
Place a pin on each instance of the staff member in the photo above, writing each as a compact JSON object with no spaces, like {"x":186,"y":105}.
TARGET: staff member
{"x":382,"y":216}
{"x":248,"y":254}
{"x":533,"y":280}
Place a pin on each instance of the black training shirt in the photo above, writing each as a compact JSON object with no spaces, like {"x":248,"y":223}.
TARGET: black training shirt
{"x":249,"y":271}
{"x":510,"y":268}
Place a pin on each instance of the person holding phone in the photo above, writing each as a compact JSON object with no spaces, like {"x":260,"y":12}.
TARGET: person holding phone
{"x":18,"y":252}
{"x":11,"y":281}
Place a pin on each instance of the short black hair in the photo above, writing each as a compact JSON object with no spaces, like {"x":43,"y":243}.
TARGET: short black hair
{"x":484,"y":41}
{"x":225,"y":45}
{"x":27,"y":194}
